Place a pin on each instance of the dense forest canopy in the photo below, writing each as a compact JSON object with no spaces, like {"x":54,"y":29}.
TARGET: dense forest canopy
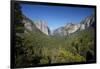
{"x":36,"y":48}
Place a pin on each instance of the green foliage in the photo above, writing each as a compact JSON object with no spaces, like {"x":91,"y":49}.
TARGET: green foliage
{"x":19,"y":52}
{"x":64,"y":56}
{"x":41,"y":49}
{"x":35,"y":48}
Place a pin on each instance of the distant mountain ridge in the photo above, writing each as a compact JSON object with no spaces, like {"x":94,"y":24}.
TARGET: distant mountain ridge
{"x":72,"y":27}
{"x":40,"y":25}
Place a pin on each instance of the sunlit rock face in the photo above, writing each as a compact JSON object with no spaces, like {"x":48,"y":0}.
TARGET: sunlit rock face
{"x":42,"y":26}
{"x":67,"y":29}
{"x":60,"y":31}
{"x":73,"y":27}
{"x":34,"y":25}
{"x":87,"y":22}
{"x":28,"y":25}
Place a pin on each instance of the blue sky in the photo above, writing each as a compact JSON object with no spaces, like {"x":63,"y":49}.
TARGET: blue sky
{"x":56,"y":16}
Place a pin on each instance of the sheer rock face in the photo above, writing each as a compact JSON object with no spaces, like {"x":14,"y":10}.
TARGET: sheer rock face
{"x":73,"y":27}
{"x":87,"y":22}
{"x":62,"y":31}
{"x":42,"y":26}
{"x":34,"y":25}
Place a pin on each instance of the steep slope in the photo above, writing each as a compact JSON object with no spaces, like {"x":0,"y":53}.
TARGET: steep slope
{"x":72,"y":27}
{"x":37,"y":48}
{"x":42,"y":49}
{"x":28,"y":25}
{"x":35,"y":26}
{"x":87,"y":22}
{"x":67,"y":29}
{"x":42,"y":25}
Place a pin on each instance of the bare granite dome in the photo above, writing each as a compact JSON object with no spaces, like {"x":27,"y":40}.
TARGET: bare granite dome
{"x":73,"y":27}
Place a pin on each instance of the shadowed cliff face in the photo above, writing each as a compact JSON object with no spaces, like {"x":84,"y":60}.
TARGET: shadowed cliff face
{"x":72,"y":27}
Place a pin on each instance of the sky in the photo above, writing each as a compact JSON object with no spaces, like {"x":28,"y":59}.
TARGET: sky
{"x":56,"y":16}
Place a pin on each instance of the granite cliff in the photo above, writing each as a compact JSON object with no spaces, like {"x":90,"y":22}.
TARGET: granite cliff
{"x":68,"y":29}
{"x":33,"y":26}
{"x":74,"y":27}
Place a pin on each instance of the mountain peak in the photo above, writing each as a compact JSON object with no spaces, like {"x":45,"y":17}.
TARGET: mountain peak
{"x":73,"y":27}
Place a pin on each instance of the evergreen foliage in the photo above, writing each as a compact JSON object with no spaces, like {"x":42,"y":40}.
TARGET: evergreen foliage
{"x":34,"y":48}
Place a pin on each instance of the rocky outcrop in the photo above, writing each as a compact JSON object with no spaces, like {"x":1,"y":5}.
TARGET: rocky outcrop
{"x":67,"y":29}
{"x":73,"y":27}
{"x":28,"y":25}
{"x":33,"y":26}
{"x":87,"y":22}
{"x":42,"y":26}
{"x":62,"y":31}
